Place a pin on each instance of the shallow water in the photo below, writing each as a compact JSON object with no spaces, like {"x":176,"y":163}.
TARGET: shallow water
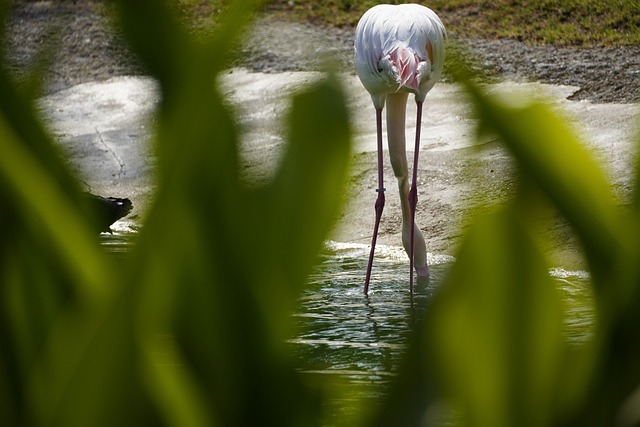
{"x":355,"y":342}
{"x":118,"y":243}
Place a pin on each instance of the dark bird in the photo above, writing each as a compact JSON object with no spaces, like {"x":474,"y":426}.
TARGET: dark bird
{"x":107,"y":210}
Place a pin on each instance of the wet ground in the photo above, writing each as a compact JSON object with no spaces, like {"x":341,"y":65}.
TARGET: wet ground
{"x":104,"y":126}
{"x":99,"y":105}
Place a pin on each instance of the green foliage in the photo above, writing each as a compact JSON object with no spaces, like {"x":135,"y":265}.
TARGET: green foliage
{"x":192,"y":332}
{"x":492,"y":344}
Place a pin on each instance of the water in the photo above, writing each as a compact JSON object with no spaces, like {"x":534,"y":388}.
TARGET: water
{"x":355,"y":343}
{"x":577,"y":296}
{"x":352,"y":341}
{"x":118,"y":243}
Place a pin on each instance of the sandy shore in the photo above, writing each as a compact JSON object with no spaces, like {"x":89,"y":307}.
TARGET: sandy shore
{"x":100,"y":107}
{"x":105,"y":128}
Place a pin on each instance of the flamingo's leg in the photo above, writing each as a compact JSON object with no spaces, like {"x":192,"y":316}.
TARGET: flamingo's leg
{"x":379,"y":206}
{"x":413,"y":200}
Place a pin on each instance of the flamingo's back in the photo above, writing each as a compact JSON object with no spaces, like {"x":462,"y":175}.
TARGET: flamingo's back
{"x":384,"y":29}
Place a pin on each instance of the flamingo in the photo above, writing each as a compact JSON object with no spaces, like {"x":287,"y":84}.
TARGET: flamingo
{"x":399,"y":49}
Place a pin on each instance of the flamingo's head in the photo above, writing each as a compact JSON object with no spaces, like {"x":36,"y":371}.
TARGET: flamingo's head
{"x":405,"y":67}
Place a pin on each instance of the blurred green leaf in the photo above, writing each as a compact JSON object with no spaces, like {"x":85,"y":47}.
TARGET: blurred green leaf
{"x":37,"y":194}
{"x":496,"y":326}
{"x":547,"y":150}
{"x":492,"y":342}
{"x":190,"y":334}
{"x":232,"y":259}
{"x":300,"y":205}
{"x":243,"y":255}
{"x":55,"y":269}
{"x":612,"y":391}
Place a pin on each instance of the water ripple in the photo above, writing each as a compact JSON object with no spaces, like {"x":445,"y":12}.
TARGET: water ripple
{"x":358,"y":341}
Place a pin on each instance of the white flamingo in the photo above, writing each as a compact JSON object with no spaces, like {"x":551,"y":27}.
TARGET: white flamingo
{"x":399,"y":49}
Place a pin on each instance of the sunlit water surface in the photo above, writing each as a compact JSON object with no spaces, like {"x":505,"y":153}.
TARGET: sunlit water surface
{"x":356,"y":342}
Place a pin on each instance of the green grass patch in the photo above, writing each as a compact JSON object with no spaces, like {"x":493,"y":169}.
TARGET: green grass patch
{"x":566,"y":22}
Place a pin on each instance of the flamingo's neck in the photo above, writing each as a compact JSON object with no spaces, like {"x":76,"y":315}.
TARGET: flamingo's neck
{"x":396,"y":120}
